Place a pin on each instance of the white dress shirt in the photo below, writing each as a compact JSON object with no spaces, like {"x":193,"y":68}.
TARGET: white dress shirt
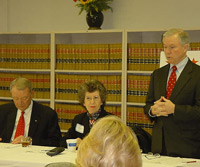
{"x":27,"y":118}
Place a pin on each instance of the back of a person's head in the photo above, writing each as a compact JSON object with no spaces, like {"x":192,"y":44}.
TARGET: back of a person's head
{"x":110,"y":143}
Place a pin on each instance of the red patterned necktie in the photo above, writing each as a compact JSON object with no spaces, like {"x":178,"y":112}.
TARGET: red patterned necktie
{"x":20,"y":126}
{"x":171,"y":82}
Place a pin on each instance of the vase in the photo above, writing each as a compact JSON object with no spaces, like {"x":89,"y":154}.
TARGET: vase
{"x":94,"y":20}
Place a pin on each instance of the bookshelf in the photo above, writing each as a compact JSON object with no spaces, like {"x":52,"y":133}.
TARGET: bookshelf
{"x":87,"y":55}
{"x":27,"y":55}
{"x":58,"y":62}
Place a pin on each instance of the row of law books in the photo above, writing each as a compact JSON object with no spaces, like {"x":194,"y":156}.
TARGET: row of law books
{"x":89,"y":56}
{"x":40,"y":84}
{"x":67,"y":85}
{"x":143,"y":56}
{"x":67,"y":112}
{"x":137,"y":88}
{"x":195,"y":46}
{"x":136,"y":117}
{"x":25,"y":56}
{"x":146,"y":56}
{"x":9,"y":101}
{"x":4,"y":102}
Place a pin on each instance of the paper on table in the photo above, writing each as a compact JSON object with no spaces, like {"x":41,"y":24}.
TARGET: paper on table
{"x":164,"y":160}
{"x":172,"y":161}
{"x":190,"y":164}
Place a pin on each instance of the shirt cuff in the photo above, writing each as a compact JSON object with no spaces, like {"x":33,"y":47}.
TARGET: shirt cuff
{"x":152,"y":116}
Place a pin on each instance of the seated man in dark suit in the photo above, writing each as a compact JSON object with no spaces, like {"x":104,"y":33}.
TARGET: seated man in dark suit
{"x":26,"y":117}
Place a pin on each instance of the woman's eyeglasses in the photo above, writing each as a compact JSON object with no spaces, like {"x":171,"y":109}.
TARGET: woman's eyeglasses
{"x":95,"y":98}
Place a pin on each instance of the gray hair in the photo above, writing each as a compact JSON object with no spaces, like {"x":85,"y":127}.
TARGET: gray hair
{"x":21,"y":84}
{"x":183,"y":36}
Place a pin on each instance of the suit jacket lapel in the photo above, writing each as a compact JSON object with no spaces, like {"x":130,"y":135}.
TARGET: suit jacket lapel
{"x":35,"y":119}
{"x":182,"y":80}
{"x":163,"y":80}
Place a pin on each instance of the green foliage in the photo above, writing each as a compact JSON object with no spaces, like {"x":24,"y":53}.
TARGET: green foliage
{"x":94,"y":5}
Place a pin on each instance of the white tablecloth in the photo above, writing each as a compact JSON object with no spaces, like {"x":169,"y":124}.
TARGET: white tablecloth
{"x":12,"y":155}
{"x":165,"y":161}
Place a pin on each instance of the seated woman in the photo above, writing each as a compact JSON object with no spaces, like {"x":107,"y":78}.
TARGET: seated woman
{"x":92,"y":96}
{"x":110,"y":143}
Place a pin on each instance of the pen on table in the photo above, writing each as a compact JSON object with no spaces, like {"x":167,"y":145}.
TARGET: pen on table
{"x":190,"y":162}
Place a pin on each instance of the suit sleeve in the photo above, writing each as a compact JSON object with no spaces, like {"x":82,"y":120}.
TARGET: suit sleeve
{"x":2,"y":122}
{"x":54,"y":133}
{"x":71,"y":134}
{"x":7,"y":119}
{"x":48,"y":132}
{"x":150,"y":98}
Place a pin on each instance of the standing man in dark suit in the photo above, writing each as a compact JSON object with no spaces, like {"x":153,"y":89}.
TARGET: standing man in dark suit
{"x":175,"y":112}
{"x":39,"y":122}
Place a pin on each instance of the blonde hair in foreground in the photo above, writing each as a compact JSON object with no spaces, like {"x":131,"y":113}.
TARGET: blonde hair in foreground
{"x":110,"y":143}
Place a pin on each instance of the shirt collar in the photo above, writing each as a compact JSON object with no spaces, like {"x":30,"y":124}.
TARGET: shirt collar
{"x":29,"y":109}
{"x":180,"y":65}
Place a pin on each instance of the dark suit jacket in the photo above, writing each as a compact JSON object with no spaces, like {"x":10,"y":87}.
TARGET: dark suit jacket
{"x":43,"y":129}
{"x":181,"y":130}
{"x":81,"y":119}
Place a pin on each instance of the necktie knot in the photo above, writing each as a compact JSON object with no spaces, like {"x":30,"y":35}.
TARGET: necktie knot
{"x":174,"y":68}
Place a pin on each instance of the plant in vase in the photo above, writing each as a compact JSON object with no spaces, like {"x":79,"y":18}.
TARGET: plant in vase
{"x":94,"y":9}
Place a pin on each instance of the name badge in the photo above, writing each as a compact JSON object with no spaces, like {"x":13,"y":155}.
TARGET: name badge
{"x":79,"y":128}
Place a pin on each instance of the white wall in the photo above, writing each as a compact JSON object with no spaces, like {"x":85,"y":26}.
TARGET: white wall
{"x":3,"y":16}
{"x":62,"y":15}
